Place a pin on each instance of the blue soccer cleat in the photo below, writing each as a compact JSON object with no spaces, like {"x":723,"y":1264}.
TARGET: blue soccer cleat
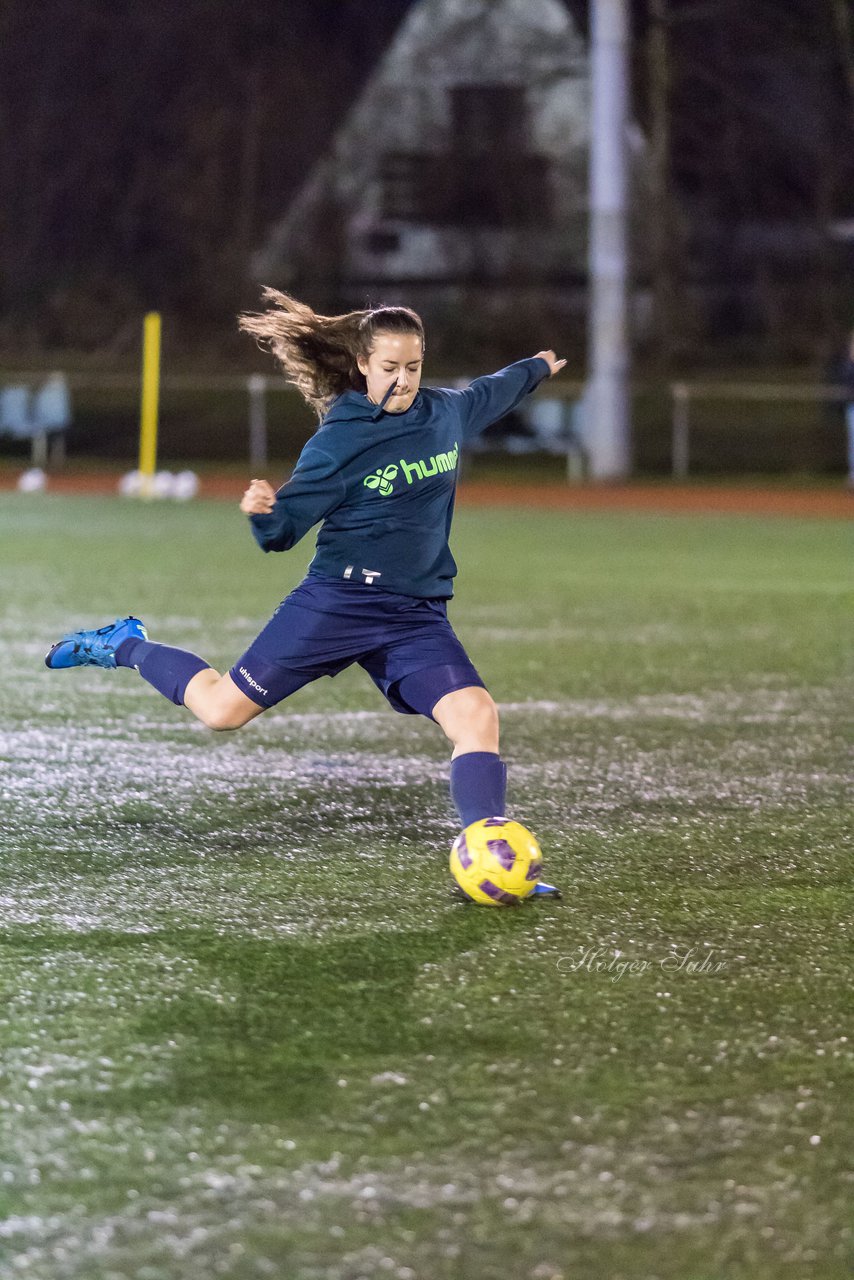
{"x":94,"y":648}
{"x":541,"y":890}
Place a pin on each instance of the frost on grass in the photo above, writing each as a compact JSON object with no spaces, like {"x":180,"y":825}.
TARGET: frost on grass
{"x":125,"y":811}
{"x":222,"y":1202}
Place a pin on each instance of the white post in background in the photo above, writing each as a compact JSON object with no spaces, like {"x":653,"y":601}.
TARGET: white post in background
{"x":606,"y":396}
{"x":680,"y":445}
{"x":256,"y":385}
{"x":39,"y":454}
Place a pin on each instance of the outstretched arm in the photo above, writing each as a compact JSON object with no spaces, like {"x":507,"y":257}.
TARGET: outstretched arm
{"x":488,"y":399}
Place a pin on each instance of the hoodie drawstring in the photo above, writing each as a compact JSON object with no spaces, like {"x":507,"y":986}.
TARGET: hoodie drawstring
{"x":382,"y":404}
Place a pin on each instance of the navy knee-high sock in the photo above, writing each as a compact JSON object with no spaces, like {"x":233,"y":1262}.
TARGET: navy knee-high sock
{"x":168,"y":670}
{"x":478,"y":785}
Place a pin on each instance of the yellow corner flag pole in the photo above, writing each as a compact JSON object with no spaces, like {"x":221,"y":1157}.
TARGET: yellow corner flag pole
{"x":150,"y":403}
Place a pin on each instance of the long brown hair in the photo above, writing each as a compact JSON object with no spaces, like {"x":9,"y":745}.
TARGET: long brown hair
{"x":319,"y":353}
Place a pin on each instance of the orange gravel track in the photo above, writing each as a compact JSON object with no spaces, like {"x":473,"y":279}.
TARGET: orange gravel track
{"x":829,"y":504}
{"x":824,"y":503}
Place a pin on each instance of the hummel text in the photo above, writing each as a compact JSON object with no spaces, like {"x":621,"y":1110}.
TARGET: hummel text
{"x":383,"y":478}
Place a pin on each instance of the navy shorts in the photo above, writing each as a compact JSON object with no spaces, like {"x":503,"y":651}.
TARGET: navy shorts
{"x":406,"y":645}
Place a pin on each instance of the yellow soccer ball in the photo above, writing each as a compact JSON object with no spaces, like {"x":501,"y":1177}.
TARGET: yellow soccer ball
{"x":496,"y":861}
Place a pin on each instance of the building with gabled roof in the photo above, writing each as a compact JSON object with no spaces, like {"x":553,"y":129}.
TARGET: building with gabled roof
{"x":462,"y":165}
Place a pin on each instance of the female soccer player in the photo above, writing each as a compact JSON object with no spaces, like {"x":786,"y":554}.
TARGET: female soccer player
{"x":380,"y":473}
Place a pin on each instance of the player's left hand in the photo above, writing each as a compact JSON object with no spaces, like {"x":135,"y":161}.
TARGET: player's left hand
{"x":551,"y":360}
{"x":259,"y":499}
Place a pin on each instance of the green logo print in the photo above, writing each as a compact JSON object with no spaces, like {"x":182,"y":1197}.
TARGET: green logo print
{"x":440,"y":462}
{"x":381,"y":479}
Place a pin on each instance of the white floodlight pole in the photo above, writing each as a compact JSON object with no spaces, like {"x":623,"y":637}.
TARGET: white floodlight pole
{"x":607,"y":413}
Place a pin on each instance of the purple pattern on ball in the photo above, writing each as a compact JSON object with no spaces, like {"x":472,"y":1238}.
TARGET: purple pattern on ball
{"x":534,"y":871}
{"x":503,"y":852}
{"x":463,"y":852}
{"x":498,"y":895}
{"x":494,"y":822}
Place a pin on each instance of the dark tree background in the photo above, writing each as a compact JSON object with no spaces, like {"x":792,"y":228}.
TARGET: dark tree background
{"x":145,"y":148}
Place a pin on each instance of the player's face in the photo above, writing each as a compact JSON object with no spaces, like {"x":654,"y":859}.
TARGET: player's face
{"x":395,"y":358}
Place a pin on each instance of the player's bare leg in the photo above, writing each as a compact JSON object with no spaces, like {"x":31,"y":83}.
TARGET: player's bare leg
{"x":217,"y":701}
{"x":469,"y":718}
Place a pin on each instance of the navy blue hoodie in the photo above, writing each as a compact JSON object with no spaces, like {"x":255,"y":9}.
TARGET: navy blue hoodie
{"x":384,"y":483}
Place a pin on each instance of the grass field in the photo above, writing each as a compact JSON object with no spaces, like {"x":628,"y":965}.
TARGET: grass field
{"x":246,"y":1032}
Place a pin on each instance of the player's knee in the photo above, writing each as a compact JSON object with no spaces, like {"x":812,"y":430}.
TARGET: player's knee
{"x":222,"y":718}
{"x":220,"y":706}
{"x":220,"y":721}
{"x":470,"y":720}
{"x":485,"y":717}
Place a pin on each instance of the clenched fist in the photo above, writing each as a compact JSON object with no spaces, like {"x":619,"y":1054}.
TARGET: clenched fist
{"x":259,"y":499}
